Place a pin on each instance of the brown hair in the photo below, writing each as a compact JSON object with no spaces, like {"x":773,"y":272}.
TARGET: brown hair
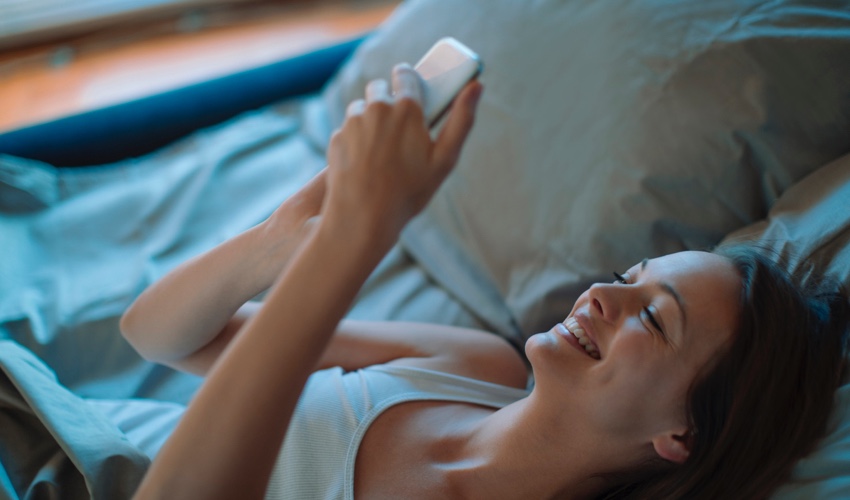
{"x":766,"y":401}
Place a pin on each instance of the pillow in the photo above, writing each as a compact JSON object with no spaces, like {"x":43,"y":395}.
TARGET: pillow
{"x":610,"y":131}
{"x":809,"y":231}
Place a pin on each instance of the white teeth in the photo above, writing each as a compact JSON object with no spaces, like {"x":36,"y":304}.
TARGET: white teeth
{"x":579,"y":333}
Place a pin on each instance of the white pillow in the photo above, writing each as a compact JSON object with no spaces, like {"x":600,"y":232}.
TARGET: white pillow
{"x":610,"y":131}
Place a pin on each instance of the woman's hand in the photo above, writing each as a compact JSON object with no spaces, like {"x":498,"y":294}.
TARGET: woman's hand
{"x":384,"y":166}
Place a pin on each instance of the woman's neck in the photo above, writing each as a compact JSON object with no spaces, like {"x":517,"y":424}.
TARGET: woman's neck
{"x":521,"y":452}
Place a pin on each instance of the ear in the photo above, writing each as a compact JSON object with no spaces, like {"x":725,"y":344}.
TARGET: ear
{"x":673,"y":446}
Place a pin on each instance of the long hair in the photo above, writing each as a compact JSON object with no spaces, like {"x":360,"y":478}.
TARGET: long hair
{"x":766,"y":400}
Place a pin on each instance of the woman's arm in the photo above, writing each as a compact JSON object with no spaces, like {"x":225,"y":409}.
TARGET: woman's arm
{"x":185,"y":319}
{"x":357,"y":344}
{"x":462,"y":351}
{"x":383,"y":168}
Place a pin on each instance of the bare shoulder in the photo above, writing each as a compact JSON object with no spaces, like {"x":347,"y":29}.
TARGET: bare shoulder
{"x":475,"y":354}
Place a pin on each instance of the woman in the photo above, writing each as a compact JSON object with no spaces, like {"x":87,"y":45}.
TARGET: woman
{"x":642,"y":390}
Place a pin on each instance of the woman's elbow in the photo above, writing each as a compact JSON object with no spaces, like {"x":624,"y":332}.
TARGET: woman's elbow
{"x":133,"y":333}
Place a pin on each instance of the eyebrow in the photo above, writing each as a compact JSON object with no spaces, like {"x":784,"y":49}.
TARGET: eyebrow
{"x":667,"y":287}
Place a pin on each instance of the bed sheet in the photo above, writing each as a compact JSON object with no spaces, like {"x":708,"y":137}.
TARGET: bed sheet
{"x":88,"y":240}
{"x":78,"y":245}
{"x":54,"y":445}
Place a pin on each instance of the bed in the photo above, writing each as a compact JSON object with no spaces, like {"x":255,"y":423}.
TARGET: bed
{"x":609,"y":131}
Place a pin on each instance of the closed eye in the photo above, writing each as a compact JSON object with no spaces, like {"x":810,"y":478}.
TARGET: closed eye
{"x":653,"y":321}
{"x":647,"y":313}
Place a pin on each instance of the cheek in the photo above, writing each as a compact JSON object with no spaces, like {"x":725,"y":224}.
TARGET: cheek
{"x":633,"y":400}
{"x":636,"y":385}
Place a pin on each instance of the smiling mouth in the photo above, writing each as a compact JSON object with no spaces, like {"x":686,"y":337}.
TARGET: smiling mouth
{"x":572,"y":327}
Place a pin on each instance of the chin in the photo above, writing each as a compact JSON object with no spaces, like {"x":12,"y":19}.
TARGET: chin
{"x":538,"y":340}
{"x":540,"y":345}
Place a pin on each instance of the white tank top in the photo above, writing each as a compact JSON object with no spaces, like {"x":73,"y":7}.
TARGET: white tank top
{"x":337,"y":408}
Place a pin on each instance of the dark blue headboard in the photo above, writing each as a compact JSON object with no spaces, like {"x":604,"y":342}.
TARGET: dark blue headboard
{"x":138,"y":127}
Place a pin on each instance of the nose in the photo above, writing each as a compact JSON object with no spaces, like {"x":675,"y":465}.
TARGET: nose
{"x":607,"y":301}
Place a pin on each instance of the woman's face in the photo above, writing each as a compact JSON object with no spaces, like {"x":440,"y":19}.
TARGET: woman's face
{"x":651,"y":334}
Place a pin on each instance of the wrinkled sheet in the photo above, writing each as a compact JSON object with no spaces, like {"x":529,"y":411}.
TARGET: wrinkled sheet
{"x":81,"y":243}
{"x":54,"y":445}
{"x":78,"y":245}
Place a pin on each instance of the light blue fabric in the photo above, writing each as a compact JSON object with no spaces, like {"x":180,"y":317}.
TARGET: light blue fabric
{"x":337,"y":408}
{"x":146,"y":423}
{"x":77,"y":246}
{"x":54,"y":446}
{"x":90,"y":239}
{"x":825,"y":474}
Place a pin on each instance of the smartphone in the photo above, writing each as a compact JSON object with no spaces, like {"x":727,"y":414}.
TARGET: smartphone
{"x":445,"y":69}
